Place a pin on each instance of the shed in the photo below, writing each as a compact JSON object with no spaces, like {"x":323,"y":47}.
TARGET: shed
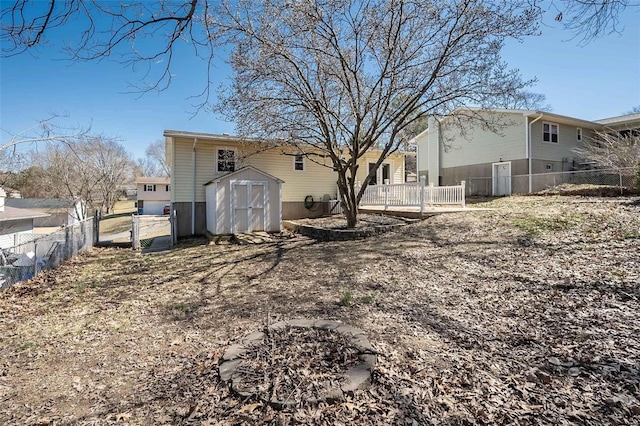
{"x":247,"y":200}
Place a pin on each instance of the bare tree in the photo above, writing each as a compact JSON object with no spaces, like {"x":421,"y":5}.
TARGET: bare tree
{"x":13,"y":152}
{"x":91,"y":169}
{"x":633,"y":110}
{"x":156,"y":153}
{"x":341,"y":78}
{"x":613,"y":149}
{"x":590,"y":19}
{"x":115,"y":30}
{"x":524,"y":100}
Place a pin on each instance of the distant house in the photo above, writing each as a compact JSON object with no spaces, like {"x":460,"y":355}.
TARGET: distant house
{"x":245,"y":201}
{"x":153,"y":193}
{"x":128,"y":191}
{"x":11,"y":192}
{"x":58,"y":212}
{"x":502,"y":162}
{"x":628,"y":123}
{"x":14,"y":221}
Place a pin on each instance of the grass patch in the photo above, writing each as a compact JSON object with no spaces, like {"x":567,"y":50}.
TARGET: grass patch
{"x":537,"y":225}
{"x":115,"y":225}
{"x":347,"y":299}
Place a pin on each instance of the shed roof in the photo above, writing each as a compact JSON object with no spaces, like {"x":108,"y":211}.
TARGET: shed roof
{"x":240,"y":170}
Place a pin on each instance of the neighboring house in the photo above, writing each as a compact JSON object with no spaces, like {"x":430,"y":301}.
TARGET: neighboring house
{"x":58,"y":212}
{"x":15,"y":221}
{"x":628,"y":123}
{"x":153,"y":193}
{"x":128,"y":191}
{"x":307,"y":183}
{"x":11,"y":192}
{"x":527,"y":143}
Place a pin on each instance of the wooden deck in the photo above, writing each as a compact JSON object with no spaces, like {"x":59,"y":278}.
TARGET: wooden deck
{"x":414,"y":212}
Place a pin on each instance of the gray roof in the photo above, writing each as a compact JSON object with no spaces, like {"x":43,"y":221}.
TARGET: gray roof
{"x":621,"y":119}
{"x":38,"y":203}
{"x":11,"y":213}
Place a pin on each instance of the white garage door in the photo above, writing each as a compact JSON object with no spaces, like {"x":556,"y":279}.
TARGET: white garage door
{"x":153,"y":207}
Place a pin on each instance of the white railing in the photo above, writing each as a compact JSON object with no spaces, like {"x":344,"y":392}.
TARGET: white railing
{"x":413,"y":194}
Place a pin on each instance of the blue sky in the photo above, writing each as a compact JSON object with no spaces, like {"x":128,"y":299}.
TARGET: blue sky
{"x":595,"y":81}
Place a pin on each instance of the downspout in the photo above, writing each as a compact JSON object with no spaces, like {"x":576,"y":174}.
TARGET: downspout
{"x":530,"y":151}
{"x":193,"y":187}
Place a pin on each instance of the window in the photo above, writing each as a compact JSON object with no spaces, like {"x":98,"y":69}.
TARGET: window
{"x":150,"y":188}
{"x":579,"y":134}
{"x":168,"y":188}
{"x":550,"y":132}
{"x":298,"y":162}
{"x":226,"y":161}
{"x":549,"y":167}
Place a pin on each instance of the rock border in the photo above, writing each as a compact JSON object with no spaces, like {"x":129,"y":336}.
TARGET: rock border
{"x":332,"y":234}
{"x":357,"y":377}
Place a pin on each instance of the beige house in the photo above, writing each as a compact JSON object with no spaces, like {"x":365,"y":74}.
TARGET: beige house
{"x":153,"y":193}
{"x":527,"y":143}
{"x":307,"y":182}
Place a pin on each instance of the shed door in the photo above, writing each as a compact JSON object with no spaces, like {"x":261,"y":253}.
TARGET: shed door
{"x":248,"y":206}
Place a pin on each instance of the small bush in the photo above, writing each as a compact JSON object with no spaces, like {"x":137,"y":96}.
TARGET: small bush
{"x":347,"y":299}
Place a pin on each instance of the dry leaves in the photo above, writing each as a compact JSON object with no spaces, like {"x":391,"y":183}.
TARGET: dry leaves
{"x":524,"y":314}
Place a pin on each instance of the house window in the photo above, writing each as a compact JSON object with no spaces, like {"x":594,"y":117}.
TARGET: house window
{"x":579,"y":134}
{"x":149,"y":188}
{"x":226,"y":160}
{"x":550,"y":132}
{"x":167,"y":188}
{"x":549,"y":167}
{"x":298,"y":162}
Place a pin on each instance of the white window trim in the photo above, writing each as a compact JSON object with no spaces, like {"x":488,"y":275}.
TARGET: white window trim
{"x":550,"y":133}
{"x":579,"y":134}
{"x":235,"y":157}
{"x":148,"y":187}
{"x":304,"y":163}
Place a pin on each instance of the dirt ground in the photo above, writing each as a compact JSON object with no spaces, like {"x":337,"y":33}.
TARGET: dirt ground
{"x":526,"y":314}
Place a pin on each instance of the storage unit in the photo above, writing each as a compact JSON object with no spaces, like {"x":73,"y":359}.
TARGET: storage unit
{"x":247,"y":200}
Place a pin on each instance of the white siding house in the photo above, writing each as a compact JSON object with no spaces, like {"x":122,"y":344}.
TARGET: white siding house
{"x":517,"y":143}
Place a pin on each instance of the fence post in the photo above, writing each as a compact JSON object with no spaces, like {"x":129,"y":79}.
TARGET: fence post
{"x":423,"y":180}
{"x":431,"y":194}
{"x":464,"y":194}
{"x":135,"y":238}
{"x":620,"y":175}
{"x":35,"y":258}
{"x":96,"y":228}
{"x":174,"y":230}
{"x":386,"y":194}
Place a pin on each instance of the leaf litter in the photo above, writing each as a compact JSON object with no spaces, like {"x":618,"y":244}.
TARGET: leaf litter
{"x":527,"y":313}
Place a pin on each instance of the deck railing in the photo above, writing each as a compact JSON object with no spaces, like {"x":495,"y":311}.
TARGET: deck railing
{"x":413,"y":194}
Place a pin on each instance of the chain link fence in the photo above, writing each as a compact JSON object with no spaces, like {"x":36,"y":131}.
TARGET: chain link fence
{"x":33,"y":253}
{"x":625,"y":180}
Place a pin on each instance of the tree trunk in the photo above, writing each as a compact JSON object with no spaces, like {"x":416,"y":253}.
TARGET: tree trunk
{"x":349,"y":198}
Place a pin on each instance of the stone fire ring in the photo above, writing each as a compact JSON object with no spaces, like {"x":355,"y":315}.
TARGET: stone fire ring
{"x":357,"y":377}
